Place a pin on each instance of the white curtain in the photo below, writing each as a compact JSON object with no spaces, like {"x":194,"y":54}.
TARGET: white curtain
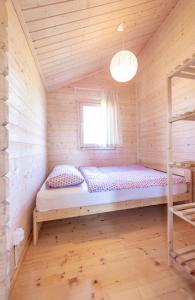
{"x":111,"y":127}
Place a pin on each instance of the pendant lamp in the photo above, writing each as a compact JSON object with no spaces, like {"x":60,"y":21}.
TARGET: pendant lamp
{"x":124,"y":64}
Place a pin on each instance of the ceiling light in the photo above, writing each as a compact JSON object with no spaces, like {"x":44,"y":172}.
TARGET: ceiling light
{"x":124,"y":64}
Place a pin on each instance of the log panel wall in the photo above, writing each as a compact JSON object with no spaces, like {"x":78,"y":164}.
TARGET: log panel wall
{"x":170,"y":46}
{"x":63,"y":124}
{"x":4,"y":206}
{"x":27,"y":129}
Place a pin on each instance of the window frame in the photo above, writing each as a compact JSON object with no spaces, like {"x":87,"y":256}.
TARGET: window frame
{"x":89,"y":146}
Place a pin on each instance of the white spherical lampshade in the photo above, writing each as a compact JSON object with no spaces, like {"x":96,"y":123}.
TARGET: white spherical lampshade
{"x":123,"y":66}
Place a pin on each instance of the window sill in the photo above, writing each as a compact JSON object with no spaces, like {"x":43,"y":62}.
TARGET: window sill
{"x":97,"y":148}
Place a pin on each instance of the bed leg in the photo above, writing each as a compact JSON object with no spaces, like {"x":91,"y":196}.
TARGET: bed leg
{"x":36,"y":228}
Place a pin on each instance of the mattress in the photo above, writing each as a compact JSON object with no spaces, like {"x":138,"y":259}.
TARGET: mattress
{"x":80,"y":196}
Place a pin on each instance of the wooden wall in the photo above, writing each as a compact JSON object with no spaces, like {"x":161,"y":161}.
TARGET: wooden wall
{"x":27,"y":128}
{"x":4,"y":207}
{"x":170,"y":45}
{"x":63,"y":124}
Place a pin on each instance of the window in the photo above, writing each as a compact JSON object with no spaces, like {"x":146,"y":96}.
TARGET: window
{"x":91,"y":129}
{"x":100,"y":123}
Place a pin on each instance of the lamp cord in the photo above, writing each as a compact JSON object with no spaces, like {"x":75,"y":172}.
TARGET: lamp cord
{"x":122,"y":36}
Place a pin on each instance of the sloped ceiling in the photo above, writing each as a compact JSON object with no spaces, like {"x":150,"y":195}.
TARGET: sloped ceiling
{"x":73,"y":38}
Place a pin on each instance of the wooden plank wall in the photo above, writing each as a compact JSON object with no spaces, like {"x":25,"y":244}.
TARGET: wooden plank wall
{"x":171,"y":44}
{"x":63,"y":123}
{"x":4,"y":207}
{"x":27,"y":129}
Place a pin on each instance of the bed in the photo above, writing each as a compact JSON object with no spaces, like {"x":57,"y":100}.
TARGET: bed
{"x":102,"y":193}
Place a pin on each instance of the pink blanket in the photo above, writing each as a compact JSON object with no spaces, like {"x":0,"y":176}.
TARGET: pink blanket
{"x":124,"y":177}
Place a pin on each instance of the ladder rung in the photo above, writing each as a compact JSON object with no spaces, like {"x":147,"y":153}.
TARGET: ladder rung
{"x":189,"y":116}
{"x":184,"y":206}
{"x":182,"y":164}
{"x":184,"y":212}
{"x":185,"y":259}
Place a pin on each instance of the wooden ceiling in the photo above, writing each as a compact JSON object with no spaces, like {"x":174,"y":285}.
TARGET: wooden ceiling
{"x":73,"y":38}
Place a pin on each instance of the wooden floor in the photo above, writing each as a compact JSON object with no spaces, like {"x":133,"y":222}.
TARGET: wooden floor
{"x":112,"y":256}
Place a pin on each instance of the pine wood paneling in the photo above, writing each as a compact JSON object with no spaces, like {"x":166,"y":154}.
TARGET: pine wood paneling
{"x":63,"y":124}
{"x":170,"y":45}
{"x":4,"y":168}
{"x":27,"y":129}
{"x":79,"y":36}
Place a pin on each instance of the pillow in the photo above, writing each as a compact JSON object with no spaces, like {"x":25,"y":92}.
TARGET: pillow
{"x":63,"y":176}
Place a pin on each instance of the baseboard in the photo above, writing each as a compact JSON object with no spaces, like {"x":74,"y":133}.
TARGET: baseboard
{"x":16,"y":271}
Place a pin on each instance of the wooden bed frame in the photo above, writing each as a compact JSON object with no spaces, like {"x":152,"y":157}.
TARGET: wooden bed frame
{"x":57,"y":214}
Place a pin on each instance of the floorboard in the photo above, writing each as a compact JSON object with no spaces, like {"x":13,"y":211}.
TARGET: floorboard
{"x":112,"y":256}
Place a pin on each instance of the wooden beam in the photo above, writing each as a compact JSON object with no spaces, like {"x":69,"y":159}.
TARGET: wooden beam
{"x":184,"y":75}
{"x":4,"y":140}
{"x":4,"y":185}
{"x":4,"y":115}
{"x":4,"y":163}
{"x":189,"y":70}
{"x":3,"y":87}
